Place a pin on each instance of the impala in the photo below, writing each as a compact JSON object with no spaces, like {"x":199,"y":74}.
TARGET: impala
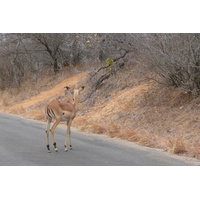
{"x":61,"y":111}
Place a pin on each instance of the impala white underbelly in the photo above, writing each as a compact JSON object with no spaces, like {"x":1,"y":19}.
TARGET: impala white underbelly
{"x":64,"y":119}
{"x":66,"y":116}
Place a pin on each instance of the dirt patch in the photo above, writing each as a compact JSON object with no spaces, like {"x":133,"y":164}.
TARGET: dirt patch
{"x":32,"y":106}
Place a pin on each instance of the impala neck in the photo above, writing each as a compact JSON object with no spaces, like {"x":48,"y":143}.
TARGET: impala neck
{"x":75,"y":98}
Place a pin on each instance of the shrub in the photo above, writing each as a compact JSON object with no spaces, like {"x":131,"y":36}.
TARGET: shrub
{"x":174,"y":58}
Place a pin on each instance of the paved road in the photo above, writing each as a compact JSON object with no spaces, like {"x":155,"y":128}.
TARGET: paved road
{"x":22,"y":142}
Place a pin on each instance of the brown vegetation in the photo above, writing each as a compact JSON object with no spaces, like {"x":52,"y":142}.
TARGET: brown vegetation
{"x":126,"y":107}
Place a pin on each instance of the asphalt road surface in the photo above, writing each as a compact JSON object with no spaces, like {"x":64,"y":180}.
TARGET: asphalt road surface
{"x":23,"y":143}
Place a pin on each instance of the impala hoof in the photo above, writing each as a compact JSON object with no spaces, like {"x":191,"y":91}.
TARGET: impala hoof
{"x":49,"y":151}
{"x":56,"y":150}
{"x":71,"y":148}
{"x":66,"y":150}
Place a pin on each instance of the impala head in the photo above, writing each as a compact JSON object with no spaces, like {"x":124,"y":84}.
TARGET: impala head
{"x":74,"y":92}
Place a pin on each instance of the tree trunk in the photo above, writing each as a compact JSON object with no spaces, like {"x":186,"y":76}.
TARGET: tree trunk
{"x":55,"y":66}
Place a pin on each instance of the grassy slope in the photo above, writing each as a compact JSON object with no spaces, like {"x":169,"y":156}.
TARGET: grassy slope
{"x":143,"y":112}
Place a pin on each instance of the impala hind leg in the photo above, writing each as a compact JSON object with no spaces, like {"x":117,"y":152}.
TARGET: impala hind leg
{"x":47,"y":133}
{"x":52,"y":133}
{"x":68,"y":136}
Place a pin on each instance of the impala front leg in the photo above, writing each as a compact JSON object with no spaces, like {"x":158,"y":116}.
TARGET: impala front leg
{"x":70,"y":141}
{"x":48,"y":146}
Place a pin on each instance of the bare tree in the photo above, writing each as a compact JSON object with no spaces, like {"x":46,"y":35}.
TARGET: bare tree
{"x":175,"y":58}
{"x":11,"y":57}
{"x":50,"y":44}
{"x":115,"y":51}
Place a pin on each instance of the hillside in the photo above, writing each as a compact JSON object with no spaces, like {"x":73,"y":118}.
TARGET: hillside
{"x":126,"y":107}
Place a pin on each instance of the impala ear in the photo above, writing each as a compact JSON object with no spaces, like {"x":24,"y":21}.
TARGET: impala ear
{"x":67,"y":87}
{"x":81,"y":88}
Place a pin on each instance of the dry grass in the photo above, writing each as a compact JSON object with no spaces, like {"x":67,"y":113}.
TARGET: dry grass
{"x":176,"y":144}
{"x":5,"y":101}
{"x":95,"y":128}
{"x":36,"y":114}
{"x":148,"y":114}
{"x":138,"y":111}
{"x":143,"y":138}
{"x":195,"y":150}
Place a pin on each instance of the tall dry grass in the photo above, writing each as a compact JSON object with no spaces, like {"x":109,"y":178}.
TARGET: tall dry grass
{"x":140,"y":137}
{"x":177,"y":143}
{"x":180,"y":144}
{"x":5,"y":99}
